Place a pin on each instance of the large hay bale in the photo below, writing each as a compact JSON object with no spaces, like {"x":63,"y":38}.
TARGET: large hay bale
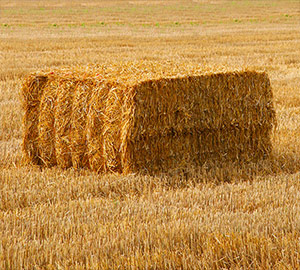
{"x":147,"y":117}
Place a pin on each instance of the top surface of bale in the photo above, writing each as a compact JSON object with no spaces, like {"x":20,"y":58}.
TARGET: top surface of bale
{"x":132,"y":73}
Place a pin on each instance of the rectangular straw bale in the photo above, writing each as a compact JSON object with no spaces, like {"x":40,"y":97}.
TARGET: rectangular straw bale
{"x":149,"y":117}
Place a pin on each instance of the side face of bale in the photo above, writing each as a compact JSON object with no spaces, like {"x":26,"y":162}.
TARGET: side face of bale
{"x":185,"y":121}
{"x":32,"y":91}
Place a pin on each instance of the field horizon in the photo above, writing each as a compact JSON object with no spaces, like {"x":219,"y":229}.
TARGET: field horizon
{"x":222,"y":216}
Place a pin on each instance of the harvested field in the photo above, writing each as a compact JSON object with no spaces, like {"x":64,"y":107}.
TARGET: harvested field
{"x":150,"y":117}
{"x":234,"y":215}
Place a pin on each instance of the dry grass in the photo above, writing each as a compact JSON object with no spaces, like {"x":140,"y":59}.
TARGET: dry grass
{"x":53,"y":219}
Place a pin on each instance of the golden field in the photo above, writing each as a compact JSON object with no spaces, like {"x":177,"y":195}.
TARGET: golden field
{"x":221,"y":218}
